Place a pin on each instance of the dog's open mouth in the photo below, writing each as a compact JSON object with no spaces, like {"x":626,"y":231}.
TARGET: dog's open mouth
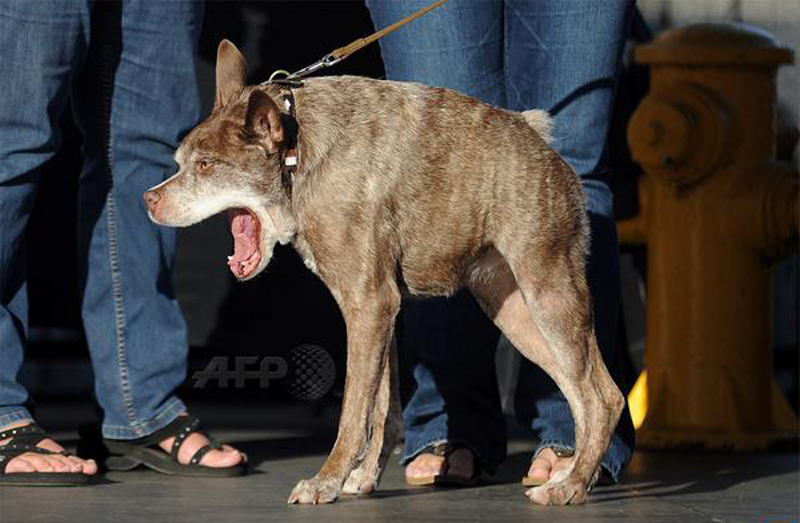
{"x":246,"y":231}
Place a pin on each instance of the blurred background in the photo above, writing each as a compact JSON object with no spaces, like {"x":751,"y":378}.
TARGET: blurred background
{"x":287,"y":306}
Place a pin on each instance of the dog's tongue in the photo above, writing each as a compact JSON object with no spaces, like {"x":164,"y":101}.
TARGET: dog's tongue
{"x":245,"y":243}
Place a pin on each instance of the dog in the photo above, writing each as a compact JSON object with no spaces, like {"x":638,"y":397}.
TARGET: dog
{"x":386,"y":188}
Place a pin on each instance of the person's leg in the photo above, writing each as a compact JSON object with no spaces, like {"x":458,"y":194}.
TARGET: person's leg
{"x":564,"y":56}
{"x":43,"y":42}
{"x":449,"y":343}
{"x":449,"y":348}
{"x":458,"y":46}
{"x":137,"y":97}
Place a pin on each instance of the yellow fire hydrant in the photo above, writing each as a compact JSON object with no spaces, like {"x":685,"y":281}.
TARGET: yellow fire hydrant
{"x":716,"y":211}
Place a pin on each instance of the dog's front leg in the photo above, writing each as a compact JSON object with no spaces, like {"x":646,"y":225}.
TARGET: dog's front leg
{"x":387,"y":428}
{"x":369,"y":317}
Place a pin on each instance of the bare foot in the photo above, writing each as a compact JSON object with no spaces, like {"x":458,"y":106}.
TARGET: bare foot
{"x":460,"y":463}
{"x":225,"y":457}
{"x":545,"y":465}
{"x":52,"y":463}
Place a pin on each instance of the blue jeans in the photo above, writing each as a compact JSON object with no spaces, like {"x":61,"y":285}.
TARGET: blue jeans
{"x":128,"y":71}
{"x":558,"y":55}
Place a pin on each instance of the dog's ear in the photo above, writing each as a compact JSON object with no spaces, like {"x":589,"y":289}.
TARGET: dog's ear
{"x":263,"y":121}
{"x":231,"y":72}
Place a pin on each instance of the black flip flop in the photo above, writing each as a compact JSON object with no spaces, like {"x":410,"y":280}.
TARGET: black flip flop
{"x":126,"y":455}
{"x":445,"y":479}
{"x":24,"y":440}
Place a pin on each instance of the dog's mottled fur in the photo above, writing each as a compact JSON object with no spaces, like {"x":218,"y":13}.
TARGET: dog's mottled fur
{"x":402,"y":186}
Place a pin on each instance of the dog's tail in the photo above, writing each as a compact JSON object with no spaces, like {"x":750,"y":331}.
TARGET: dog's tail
{"x":541,"y":122}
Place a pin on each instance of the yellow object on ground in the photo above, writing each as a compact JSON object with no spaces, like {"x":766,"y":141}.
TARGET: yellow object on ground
{"x":637,"y":400}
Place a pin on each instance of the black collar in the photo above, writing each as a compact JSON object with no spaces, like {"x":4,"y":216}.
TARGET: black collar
{"x":289,"y":155}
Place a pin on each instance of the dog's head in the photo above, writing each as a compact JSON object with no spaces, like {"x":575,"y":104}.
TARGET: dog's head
{"x":232,"y":162}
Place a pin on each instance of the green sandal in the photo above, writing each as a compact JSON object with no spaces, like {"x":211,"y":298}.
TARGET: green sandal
{"x":24,"y":440}
{"x":123,"y":455}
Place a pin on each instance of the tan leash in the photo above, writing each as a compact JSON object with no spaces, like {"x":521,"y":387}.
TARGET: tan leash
{"x":289,"y":156}
{"x":337,"y":55}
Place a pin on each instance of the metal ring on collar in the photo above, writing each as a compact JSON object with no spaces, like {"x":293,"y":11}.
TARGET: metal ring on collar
{"x":283,"y":72}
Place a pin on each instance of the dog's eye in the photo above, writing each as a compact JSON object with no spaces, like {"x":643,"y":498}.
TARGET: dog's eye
{"x":203,"y":164}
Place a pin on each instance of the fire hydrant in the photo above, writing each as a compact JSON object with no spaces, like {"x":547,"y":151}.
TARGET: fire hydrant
{"x":716,"y":211}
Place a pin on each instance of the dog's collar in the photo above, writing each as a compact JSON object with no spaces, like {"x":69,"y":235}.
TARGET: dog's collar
{"x":289,"y":155}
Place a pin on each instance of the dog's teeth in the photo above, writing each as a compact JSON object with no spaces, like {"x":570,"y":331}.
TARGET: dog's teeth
{"x":230,"y":258}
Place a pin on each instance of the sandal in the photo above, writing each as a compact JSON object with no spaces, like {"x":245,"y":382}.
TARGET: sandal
{"x":124,"y":455}
{"x":23,"y":440}
{"x":528,"y":481}
{"x":445,"y":479}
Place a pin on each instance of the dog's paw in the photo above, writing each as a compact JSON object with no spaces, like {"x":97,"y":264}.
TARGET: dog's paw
{"x":315,"y":491}
{"x":566,"y":491}
{"x":360,"y":482}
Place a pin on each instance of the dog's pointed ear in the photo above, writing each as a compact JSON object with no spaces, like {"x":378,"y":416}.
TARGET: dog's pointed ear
{"x":263,"y":121}
{"x":231,"y":72}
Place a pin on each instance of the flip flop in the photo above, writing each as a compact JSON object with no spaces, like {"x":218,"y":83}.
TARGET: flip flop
{"x":124,"y":455}
{"x":598,"y":478}
{"x":24,"y":440}
{"x":528,"y":481}
{"x":445,"y":479}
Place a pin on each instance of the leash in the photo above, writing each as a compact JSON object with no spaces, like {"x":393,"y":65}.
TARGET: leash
{"x":289,"y":156}
{"x":337,"y":55}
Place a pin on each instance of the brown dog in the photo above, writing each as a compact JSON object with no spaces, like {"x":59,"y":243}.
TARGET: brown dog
{"x":401,"y":185}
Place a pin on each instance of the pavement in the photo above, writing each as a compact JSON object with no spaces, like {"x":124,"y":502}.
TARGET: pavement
{"x":289,"y":443}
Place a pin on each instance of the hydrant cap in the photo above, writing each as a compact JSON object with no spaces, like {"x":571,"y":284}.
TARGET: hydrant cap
{"x":726,"y":43}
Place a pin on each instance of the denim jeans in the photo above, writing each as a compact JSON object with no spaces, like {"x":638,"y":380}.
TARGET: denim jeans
{"x":128,"y":71}
{"x":558,"y":55}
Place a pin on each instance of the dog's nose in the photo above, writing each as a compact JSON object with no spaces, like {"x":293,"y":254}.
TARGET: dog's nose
{"x":152,"y":198}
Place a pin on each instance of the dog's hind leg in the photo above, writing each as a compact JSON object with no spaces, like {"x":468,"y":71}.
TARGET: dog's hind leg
{"x":546,"y":314}
{"x":369,"y":309}
{"x":387,"y":427}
